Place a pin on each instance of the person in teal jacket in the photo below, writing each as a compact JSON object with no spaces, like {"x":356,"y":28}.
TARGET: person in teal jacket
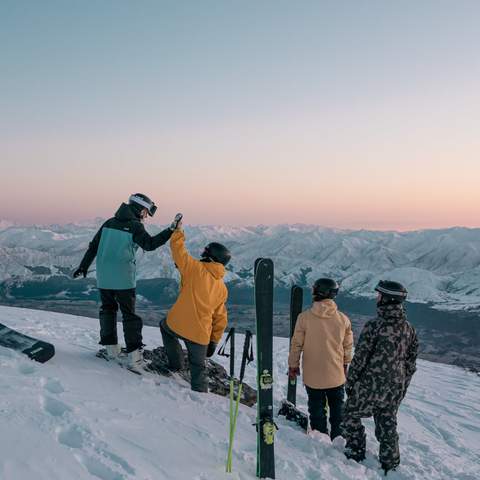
{"x":115,"y":246}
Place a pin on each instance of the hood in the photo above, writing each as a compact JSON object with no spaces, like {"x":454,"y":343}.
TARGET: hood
{"x":216,"y":270}
{"x":125,"y":212}
{"x":392,"y":313}
{"x":324,"y":308}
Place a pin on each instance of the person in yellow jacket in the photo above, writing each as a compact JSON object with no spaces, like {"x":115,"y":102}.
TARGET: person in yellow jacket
{"x":199,"y":316}
{"x":324,"y":335}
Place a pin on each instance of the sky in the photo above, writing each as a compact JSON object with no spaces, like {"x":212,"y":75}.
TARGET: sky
{"x":340,"y":113}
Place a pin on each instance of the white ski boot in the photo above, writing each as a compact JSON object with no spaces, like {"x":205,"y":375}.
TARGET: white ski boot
{"x":113,"y":351}
{"x":136,"y":362}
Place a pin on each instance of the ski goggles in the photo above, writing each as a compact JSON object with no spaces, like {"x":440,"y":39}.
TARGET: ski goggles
{"x":151,"y":207}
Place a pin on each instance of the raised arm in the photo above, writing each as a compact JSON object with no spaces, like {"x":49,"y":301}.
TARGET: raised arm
{"x":148,"y":242}
{"x":183,"y":260}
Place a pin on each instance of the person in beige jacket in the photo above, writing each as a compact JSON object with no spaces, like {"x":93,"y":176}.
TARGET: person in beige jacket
{"x":324,"y":335}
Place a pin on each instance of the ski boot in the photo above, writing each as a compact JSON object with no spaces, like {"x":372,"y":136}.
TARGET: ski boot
{"x":113,"y":351}
{"x":389,"y":467}
{"x":136,"y":362}
{"x":357,"y":455}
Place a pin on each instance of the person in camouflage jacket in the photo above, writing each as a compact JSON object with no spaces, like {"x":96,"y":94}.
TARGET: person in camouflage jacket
{"x":379,"y":375}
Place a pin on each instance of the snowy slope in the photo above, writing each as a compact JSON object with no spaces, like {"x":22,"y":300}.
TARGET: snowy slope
{"x":79,"y":417}
{"x":438,"y":266}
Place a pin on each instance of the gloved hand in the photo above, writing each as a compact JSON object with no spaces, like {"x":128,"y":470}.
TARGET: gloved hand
{"x":349,"y":389}
{"x":211,"y":349}
{"x":78,"y":272}
{"x":293,"y":372}
{"x":177,"y":222}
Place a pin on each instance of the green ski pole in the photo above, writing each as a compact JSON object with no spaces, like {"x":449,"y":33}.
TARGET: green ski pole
{"x":247,"y":356}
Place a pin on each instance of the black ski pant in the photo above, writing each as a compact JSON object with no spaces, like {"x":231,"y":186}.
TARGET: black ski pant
{"x":197,"y":355}
{"x":112,"y":300}
{"x":317,"y":408}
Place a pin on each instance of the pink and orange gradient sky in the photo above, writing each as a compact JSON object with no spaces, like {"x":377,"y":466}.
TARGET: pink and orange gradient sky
{"x":352,"y":115}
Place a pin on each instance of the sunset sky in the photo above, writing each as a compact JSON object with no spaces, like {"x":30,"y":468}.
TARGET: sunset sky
{"x":352,"y":114}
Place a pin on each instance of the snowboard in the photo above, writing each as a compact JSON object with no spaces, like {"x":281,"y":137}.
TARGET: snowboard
{"x":37,"y":350}
{"x":264,"y":328}
{"x":292,"y":413}
{"x":296,"y":305}
{"x":287,"y":407}
{"x":218,"y":377}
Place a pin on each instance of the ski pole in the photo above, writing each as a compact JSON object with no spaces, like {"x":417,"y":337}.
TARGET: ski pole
{"x":247,"y":357}
{"x":230,"y":338}
{"x":232,"y":387}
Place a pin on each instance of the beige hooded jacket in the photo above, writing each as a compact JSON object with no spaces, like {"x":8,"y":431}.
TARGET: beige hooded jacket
{"x":324,"y":335}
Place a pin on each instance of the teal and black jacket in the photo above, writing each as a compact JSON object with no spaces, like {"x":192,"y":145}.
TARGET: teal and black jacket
{"x":115,"y":245}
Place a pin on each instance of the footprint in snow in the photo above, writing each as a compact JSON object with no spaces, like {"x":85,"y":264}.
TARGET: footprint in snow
{"x":52,"y":385}
{"x":54,"y":407}
{"x":26,"y":368}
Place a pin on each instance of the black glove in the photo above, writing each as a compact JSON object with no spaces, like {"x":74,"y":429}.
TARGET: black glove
{"x":211,"y":349}
{"x":78,"y":272}
{"x":349,"y":389}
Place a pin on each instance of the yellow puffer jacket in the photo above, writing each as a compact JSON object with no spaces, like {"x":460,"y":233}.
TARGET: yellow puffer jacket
{"x":199,"y":314}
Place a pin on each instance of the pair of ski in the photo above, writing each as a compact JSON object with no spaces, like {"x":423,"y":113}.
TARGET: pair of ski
{"x":247,"y":357}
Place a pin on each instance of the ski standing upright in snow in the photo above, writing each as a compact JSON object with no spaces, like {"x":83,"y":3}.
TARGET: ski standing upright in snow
{"x":288,"y":407}
{"x":264,"y":327}
{"x":296,"y":305}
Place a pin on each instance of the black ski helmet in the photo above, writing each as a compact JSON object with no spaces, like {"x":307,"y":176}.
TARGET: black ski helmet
{"x":391,"y":292}
{"x":139,"y":201}
{"x":217,"y":252}
{"x":325,"y":288}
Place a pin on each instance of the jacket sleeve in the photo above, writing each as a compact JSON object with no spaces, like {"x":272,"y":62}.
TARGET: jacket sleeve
{"x":411,"y":361}
{"x":347,"y":342}
{"x":298,"y":340}
{"x":183,"y":260}
{"x":219,"y":322}
{"x":91,"y":252}
{"x":145,"y":241}
{"x":363,"y":351}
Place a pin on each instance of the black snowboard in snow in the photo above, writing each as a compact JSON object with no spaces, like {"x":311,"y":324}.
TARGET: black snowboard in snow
{"x":292,"y":413}
{"x":35,"y":349}
{"x":264,"y":327}
{"x":296,"y":305}
{"x":218,"y":378}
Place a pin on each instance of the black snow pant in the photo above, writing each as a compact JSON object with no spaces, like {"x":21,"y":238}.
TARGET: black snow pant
{"x":132,"y":323}
{"x":317,"y":408}
{"x":385,"y":432}
{"x":197,"y":355}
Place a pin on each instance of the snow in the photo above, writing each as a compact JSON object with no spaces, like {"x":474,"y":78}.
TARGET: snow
{"x":79,"y":417}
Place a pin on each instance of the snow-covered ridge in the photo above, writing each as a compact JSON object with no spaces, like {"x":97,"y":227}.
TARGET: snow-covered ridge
{"x":79,"y":417}
{"x":437,"y":266}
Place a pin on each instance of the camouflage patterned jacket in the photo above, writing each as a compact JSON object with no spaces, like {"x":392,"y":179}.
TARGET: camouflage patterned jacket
{"x":383,"y":364}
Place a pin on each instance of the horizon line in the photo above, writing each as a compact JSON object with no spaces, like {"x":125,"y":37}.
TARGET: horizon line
{"x":98,"y":220}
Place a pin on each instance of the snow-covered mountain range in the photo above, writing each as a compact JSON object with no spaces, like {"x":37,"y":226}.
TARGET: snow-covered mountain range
{"x":79,"y":417}
{"x":441,"y":267}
